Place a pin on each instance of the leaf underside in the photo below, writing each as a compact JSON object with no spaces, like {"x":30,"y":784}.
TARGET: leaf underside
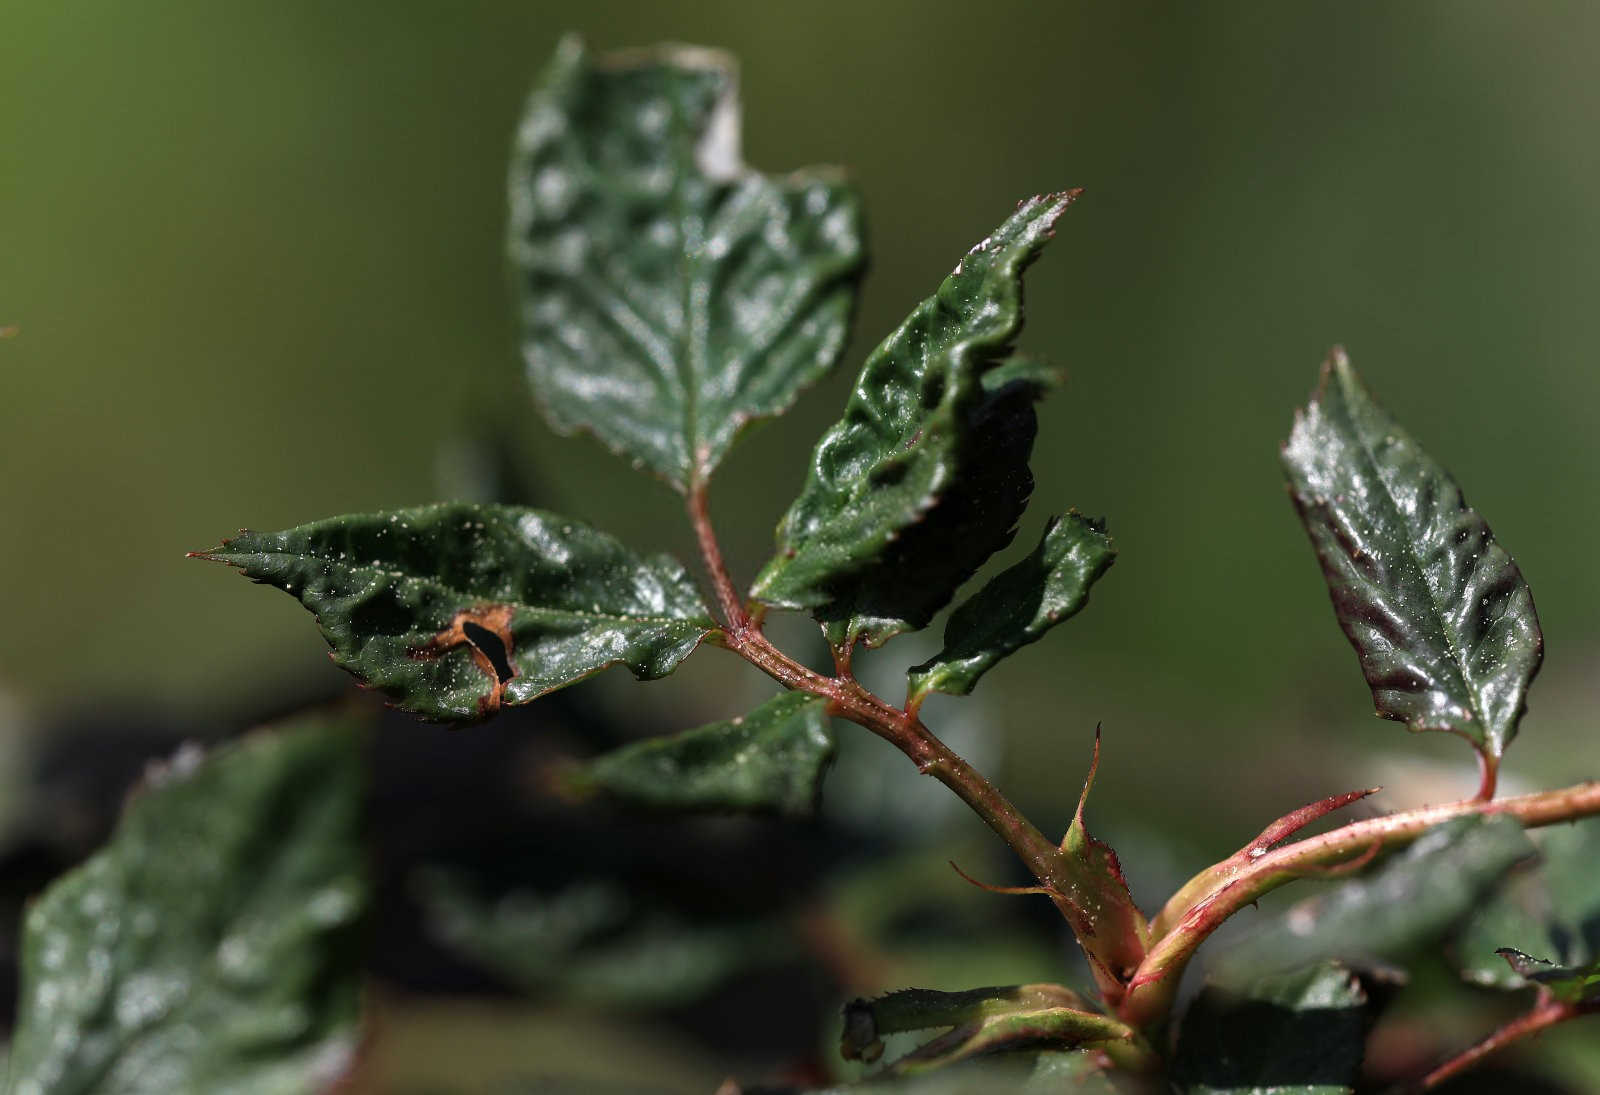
{"x":1019,"y":605}
{"x":669,"y":293}
{"x":773,"y":759}
{"x":927,"y":472}
{"x":454,"y":610}
{"x":209,"y":945}
{"x":1299,"y":1033}
{"x":1438,"y":612}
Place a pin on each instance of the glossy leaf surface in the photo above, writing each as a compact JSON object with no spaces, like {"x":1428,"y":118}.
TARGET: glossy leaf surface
{"x":670,"y":294}
{"x":208,"y":946}
{"x":1438,"y":612}
{"x":1019,"y":605}
{"x":774,"y":759}
{"x":1412,"y":900}
{"x":456,"y":609}
{"x":926,"y":474}
{"x":980,"y":1021}
{"x":1544,"y":926}
{"x":1299,"y":1033}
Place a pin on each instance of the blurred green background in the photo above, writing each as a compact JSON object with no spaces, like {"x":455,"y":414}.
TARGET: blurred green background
{"x":253,"y":256}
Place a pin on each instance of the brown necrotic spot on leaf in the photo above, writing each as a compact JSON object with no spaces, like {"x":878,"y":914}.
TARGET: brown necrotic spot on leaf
{"x":486,"y":632}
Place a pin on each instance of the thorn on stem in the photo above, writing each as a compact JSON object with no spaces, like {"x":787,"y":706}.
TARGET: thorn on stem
{"x":1292,"y":822}
{"x":1047,"y":890}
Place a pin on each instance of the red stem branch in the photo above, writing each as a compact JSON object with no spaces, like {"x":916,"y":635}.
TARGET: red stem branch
{"x":902,"y":728}
{"x":1219,"y":891}
{"x":1546,"y":1014}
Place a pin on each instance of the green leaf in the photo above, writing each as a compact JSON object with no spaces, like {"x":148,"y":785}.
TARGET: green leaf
{"x":927,"y":472}
{"x":456,"y":609}
{"x":209,"y":946}
{"x":1438,"y":612}
{"x":1299,"y":1033}
{"x":980,"y":1021}
{"x":588,"y":944}
{"x":670,"y":294}
{"x":1412,"y":900}
{"x":1018,"y":606}
{"x":1552,"y":911}
{"x":771,"y":759}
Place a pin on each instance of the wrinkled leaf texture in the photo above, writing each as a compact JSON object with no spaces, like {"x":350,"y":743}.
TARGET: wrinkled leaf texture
{"x":208,"y":947}
{"x":456,"y":609}
{"x":669,"y":294}
{"x":1439,"y":614}
{"x":925,"y":475}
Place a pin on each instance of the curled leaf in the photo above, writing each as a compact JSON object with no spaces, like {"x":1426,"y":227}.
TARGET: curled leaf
{"x":926,"y":474}
{"x":1019,"y":605}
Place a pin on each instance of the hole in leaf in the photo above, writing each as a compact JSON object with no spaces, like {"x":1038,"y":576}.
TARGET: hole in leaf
{"x":491,"y":646}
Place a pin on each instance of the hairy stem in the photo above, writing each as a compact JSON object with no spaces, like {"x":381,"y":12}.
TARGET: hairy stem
{"x":1220,"y":891}
{"x":1546,"y":1014}
{"x":902,"y":728}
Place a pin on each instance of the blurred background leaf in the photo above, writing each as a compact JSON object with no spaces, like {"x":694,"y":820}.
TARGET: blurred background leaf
{"x":235,"y":230}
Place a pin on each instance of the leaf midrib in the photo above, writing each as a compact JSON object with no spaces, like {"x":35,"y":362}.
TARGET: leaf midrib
{"x":1457,"y":661}
{"x":520,"y":605}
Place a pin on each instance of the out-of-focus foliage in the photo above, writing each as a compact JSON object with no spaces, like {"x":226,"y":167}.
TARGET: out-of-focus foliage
{"x":211,"y":945}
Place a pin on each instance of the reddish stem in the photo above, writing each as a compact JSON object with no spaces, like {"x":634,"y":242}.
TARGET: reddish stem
{"x":1218,"y":892}
{"x":902,"y":728}
{"x":733,"y":608}
{"x":1546,"y":1014}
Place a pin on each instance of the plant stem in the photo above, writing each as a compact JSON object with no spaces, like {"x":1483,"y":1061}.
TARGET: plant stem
{"x":1546,"y":1014}
{"x":733,"y":609}
{"x":902,"y":728}
{"x":1220,"y":891}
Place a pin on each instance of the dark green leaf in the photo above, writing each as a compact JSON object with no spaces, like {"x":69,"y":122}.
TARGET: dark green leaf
{"x":670,"y":294}
{"x":457,"y":609}
{"x":771,"y":759}
{"x":1438,"y":612}
{"x":980,"y":1021}
{"x":1411,"y":901}
{"x":927,"y":472}
{"x":587,"y":943}
{"x":1551,"y":911}
{"x":209,"y":946}
{"x":1019,"y":606}
{"x":1299,"y":1033}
